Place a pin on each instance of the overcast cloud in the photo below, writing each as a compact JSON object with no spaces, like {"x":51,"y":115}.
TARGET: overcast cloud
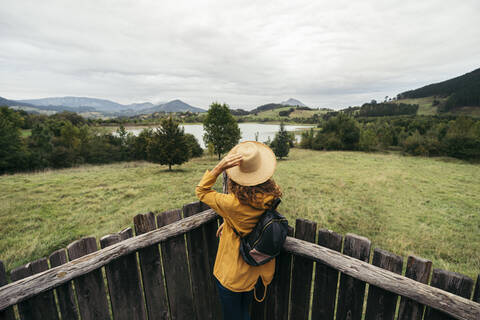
{"x":245,"y":53}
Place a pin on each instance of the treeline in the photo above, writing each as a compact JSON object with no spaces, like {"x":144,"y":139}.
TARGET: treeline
{"x":66,"y":139}
{"x":387,"y":109}
{"x":429,"y":136}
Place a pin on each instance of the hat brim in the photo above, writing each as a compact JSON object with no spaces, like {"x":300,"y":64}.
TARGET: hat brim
{"x":265,"y":170}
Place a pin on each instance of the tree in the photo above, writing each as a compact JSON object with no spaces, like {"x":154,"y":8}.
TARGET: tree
{"x":193,"y":145}
{"x":281,"y":142}
{"x":221,"y":128}
{"x":168,"y":144}
{"x":13,"y":153}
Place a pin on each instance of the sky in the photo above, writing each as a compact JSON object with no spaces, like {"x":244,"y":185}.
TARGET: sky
{"x":245,"y":53}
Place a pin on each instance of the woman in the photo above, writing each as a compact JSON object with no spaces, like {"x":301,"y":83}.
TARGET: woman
{"x":249,"y":166}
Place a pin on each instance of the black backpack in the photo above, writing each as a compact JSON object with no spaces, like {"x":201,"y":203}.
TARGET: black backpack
{"x":266,"y":240}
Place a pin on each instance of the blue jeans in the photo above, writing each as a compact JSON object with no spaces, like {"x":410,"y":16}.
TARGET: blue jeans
{"x":235,"y":305}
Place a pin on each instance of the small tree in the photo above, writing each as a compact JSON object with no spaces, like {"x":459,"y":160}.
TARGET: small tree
{"x":221,"y":129}
{"x":281,"y":142}
{"x":168,"y":144}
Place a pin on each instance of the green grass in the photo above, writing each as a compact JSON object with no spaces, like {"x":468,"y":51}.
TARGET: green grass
{"x":407,"y":205}
{"x":273,"y":114}
{"x":425,"y":107}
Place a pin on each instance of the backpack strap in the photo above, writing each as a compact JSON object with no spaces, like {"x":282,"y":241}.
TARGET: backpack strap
{"x":275,"y":203}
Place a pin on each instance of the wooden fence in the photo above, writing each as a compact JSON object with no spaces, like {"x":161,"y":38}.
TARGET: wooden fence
{"x":165,"y":272}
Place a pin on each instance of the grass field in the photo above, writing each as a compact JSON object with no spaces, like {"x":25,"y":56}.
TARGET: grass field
{"x":273,"y":114}
{"x":425,"y":107}
{"x":407,"y":205}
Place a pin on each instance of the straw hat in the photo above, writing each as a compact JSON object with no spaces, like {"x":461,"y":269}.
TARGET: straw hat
{"x":257,"y":166}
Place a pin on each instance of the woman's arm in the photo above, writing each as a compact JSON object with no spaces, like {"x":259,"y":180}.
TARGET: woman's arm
{"x":217,"y":201}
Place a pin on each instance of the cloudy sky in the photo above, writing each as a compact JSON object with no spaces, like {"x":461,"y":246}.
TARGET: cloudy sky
{"x":245,"y":53}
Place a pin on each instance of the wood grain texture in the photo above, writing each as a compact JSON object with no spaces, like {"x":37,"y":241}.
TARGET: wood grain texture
{"x":124,"y":281}
{"x":13,"y":293}
{"x":417,"y":269}
{"x":351,"y":291}
{"x":302,"y":273}
{"x":65,"y":294}
{"x":382,"y":304}
{"x":205,"y":295}
{"x":41,"y":306}
{"x":278,"y":292}
{"x":8,"y":313}
{"x":174,"y":258}
{"x":452,"y":282}
{"x":90,"y":287}
{"x":326,"y":278}
{"x":456,"y":306}
{"x":152,"y":272}
{"x":476,"y":293}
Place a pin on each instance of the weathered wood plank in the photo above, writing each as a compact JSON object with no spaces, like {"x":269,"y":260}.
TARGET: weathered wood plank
{"x":326,"y":278}
{"x":278,"y":292}
{"x":151,"y":266}
{"x":65,"y":294}
{"x":452,"y":282}
{"x":14,"y":293}
{"x":204,"y":293}
{"x":8,"y":313}
{"x":476,"y":293}
{"x":90,"y":288}
{"x":41,"y":306}
{"x":382,"y":304}
{"x":352,"y":291}
{"x":419,"y":270}
{"x":454,"y":305}
{"x":174,"y":257}
{"x":302,"y":272}
{"x":124,"y":281}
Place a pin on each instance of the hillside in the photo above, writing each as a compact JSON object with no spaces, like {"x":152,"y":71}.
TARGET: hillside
{"x":387,"y":198}
{"x":462,"y":91}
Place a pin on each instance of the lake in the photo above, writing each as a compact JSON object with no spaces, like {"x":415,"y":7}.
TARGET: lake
{"x":248,"y":131}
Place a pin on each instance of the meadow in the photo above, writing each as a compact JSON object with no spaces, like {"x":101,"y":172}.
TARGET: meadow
{"x":427,"y":207}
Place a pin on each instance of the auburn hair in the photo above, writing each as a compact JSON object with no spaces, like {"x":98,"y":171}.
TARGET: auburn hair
{"x":253,"y":194}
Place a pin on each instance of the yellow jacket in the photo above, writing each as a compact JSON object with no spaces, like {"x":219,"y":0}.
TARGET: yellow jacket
{"x":230,"y":268}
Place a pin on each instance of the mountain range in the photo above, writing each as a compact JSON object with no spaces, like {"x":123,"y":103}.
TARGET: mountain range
{"x":101,"y":106}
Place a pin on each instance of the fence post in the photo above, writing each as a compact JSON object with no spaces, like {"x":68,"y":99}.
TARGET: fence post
{"x":151,"y":267}
{"x":124,"y":281}
{"x":42,"y":305}
{"x":382,"y":304}
{"x":278,"y":292}
{"x":65,"y":294}
{"x":352,"y":291}
{"x":417,"y":269}
{"x":205,"y":295}
{"x":302,"y":273}
{"x":452,"y":282}
{"x":8,"y":313}
{"x":174,"y":257}
{"x":90,"y":288}
{"x":326,"y":278}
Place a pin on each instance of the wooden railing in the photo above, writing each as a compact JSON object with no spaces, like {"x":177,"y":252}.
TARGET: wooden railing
{"x":165,"y":272}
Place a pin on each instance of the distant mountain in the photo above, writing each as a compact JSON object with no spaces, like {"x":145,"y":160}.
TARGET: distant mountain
{"x":13,"y":103}
{"x":265,"y":107}
{"x":171,"y":106}
{"x":292,"y":102}
{"x":106,"y":107}
{"x":75,"y":102}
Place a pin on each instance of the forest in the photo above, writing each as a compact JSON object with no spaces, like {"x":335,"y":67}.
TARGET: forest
{"x":66,"y":139}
